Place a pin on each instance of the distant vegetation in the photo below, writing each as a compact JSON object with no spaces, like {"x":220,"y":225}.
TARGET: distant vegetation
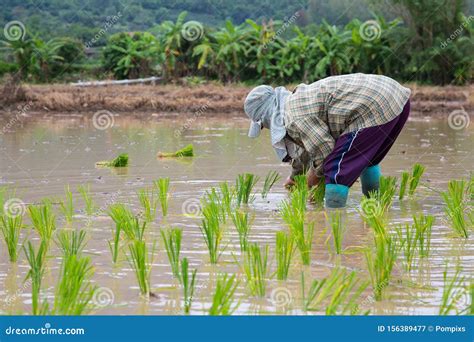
{"x":432,"y":43}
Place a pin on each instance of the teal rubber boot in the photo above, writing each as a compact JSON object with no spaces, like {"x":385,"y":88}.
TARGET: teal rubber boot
{"x":370,"y":179}
{"x":336,"y":195}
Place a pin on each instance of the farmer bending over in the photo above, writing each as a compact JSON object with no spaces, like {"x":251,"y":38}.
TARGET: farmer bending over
{"x":339,"y":128}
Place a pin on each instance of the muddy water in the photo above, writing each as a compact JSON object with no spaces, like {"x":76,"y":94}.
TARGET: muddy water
{"x":40,"y":158}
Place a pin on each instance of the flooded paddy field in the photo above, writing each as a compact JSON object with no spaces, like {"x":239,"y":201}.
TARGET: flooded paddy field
{"x":39,"y":159}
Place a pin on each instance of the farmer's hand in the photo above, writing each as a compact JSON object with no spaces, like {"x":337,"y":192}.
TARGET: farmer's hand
{"x":289,"y":183}
{"x":313,"y":180}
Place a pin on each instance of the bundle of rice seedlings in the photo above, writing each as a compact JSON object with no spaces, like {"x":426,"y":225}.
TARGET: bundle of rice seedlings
{"x":187,"y":151}
{"x":120,"y":161}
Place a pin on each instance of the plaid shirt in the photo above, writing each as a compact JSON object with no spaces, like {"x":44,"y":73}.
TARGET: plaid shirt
{"x":318,"y":113}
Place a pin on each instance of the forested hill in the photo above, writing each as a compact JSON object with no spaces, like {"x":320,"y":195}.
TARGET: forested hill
{"x":80,"y":18}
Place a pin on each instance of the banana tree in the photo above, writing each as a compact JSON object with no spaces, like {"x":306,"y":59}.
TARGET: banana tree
{"x":231,"y":50}
{"x":174,"y":45}
{"x":334,"y":45}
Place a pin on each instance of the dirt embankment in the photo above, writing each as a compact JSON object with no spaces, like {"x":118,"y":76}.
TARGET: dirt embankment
{"x":204,"y":100}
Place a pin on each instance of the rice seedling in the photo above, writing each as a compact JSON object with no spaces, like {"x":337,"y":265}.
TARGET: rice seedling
{"x":456,"y":206}
{"x":162,"y":186}
{"x":227,"y":196}
{"x":243,"y":186}
{"x":470,"y":310}
{"x":270,"y":179}
{"x":120,"y":161}
{"x":172,"y":241}
{"x":36,"y":272}
{"x":387,"y":189}
{"x":415,"y":177}
{"x":337,"y":293}
{"x":121,"y":215}
{"x":214,"y":198}
{"x":346,"y":294}
{"x":3,"y":191}
{"x":114,"y":245}
{"x":43,"y":220}
{"x":255,"y":268}
{"x":407,"y":240}
{"x":134,"y":229}
{"x":380,"y":263}
{"x":453,"y":291}
{"x":223,"y":298}
{"x":11,"y":226}
{"x":337,"y":229}
{"x":403,"y":185}
{"x":141,"y":260}
{"x":149,"y":202}
{"x":242,"y":225}
{"x":71,"y":242}
{"x":74,"y":291}
{"x":187,"y":151}
{"x":293,"y":213}
{"x":317,"y":193}
{"x":212,"y":230}
{"x":374,"y":215}
{"x":189,"y":283}
{"x":126,"y":222}
{"x":67,"y":206}
{"x":284,"y":253}
{"x":86,"y":195}
{"x":423,"y":227}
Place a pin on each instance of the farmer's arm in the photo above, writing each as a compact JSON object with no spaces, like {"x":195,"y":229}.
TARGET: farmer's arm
{"x":317,"y":141}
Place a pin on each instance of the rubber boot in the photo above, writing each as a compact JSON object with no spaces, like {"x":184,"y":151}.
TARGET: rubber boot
{"x":370,"y":179}
{"x":336,"y":195}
